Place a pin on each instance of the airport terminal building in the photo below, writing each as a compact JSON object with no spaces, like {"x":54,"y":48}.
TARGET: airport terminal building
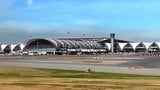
{"x":78,"y":46}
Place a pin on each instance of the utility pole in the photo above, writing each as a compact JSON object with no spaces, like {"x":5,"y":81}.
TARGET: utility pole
{"x":37,"y":45}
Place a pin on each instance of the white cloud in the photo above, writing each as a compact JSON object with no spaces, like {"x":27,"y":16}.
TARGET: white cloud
{"x":29,"y":2}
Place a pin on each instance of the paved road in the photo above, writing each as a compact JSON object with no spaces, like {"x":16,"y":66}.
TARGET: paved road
{"x":143,"y":66}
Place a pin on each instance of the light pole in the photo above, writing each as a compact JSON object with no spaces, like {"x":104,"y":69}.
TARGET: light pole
{"x":37,"y":45}
{"x":68,"y":34}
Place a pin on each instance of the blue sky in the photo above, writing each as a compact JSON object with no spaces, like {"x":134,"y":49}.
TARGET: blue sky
{"x":137,"y":20}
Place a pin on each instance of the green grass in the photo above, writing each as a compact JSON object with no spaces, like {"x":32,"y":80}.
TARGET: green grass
{"x":35,"y":72}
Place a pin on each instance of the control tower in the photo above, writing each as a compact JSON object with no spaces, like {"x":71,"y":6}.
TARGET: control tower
{"x":112,"y":38}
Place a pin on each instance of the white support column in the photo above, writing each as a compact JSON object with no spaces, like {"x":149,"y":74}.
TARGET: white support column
{"x":12,"y":46}
{"x":3,"y":46}
{"x":22,"y":46}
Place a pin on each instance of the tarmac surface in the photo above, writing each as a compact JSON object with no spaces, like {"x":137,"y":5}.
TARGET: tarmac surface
{"x":128,"y":64}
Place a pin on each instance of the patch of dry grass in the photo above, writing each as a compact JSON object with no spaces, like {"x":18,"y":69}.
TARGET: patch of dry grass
{"x":18,"y":78}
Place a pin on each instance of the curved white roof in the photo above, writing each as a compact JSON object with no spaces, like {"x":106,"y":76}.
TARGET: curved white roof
{"x":59,"y":42}
{"x":50,"y":40}
{"x":73,"y":45}
{"x":82,"y":44}
{"x":87,"y":45}
{"x":66,"y":43}
{"x":70,"y":44}
{"x":94,"y":45}
{"x":53,"y":42}
{"x":99,"y":45}
{"x":90,"y":44}
{"x":78,"y":45}
{"x":158,"y":43}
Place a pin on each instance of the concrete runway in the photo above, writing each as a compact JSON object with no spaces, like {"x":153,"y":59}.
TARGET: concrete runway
{"x":130,"y":65}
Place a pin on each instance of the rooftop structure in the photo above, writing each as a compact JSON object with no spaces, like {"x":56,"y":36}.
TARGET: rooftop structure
{"x":79,"y":46}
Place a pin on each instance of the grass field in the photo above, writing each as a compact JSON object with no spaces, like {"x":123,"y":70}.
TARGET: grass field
{"x":18,"y":78}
